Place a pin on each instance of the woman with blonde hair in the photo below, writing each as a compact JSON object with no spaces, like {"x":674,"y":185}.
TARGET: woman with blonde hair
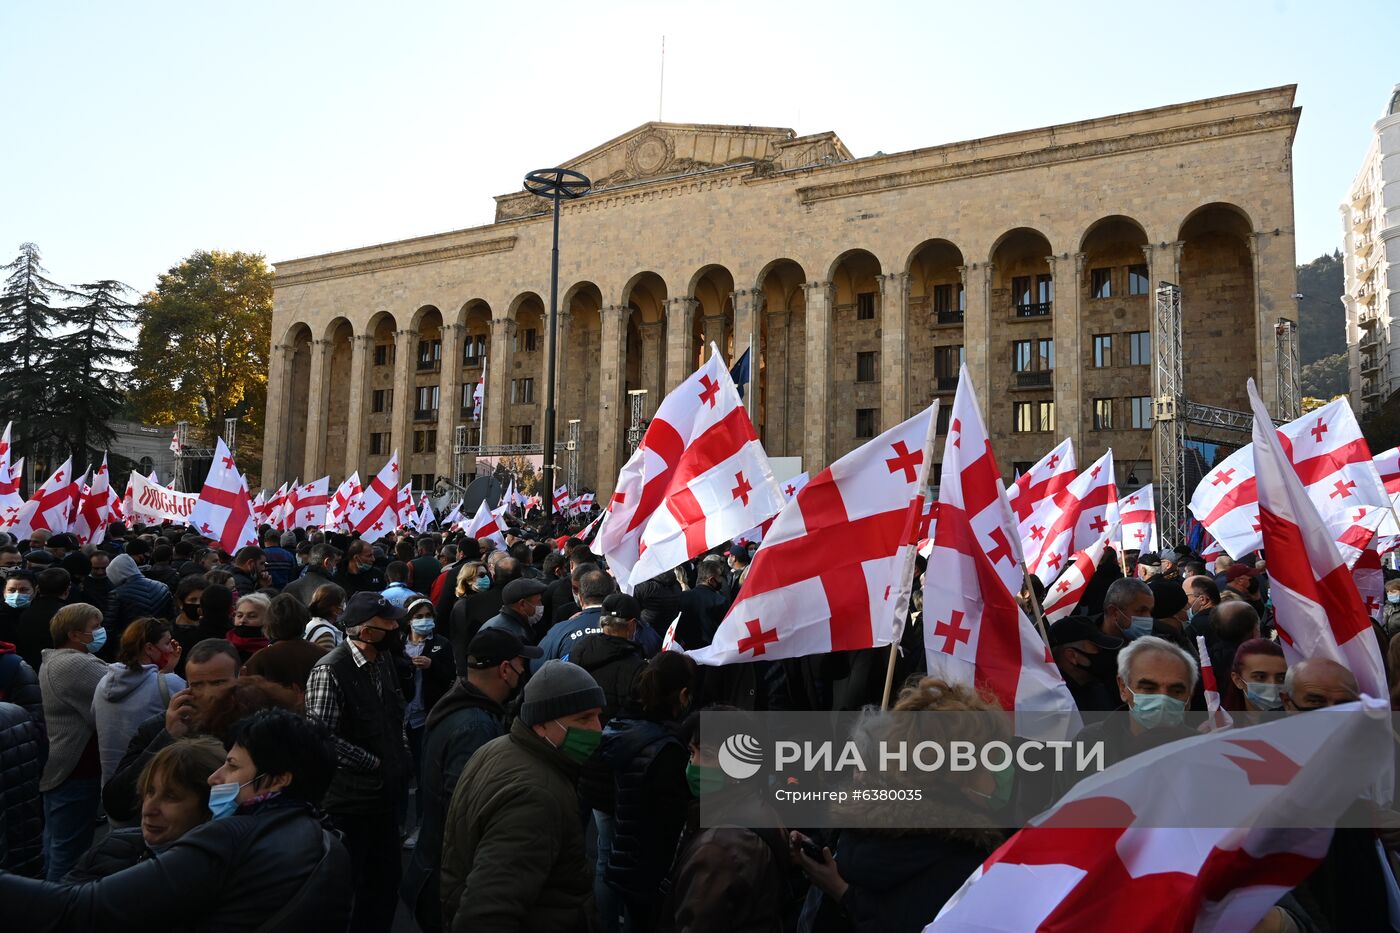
{"x":249,"y":632}
{"x":466,"y":578}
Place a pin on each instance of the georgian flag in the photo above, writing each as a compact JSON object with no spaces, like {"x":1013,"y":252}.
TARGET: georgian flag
{"x":1139,"y":520}
{"x":10,"y":498}
{"x":453,"y":517}
{"x":175,"y":442}
{"x":374,"y":513}
{"x":1219,"y":718}
{"x":338,"y":508}
{"x":561,"y":498}
{"x":1066,"y":592}
{"x":425,"y":517}
{"x":836,"y":568}
{"x":1042,"y":482}
{"x":1330,"y":457}
{"x":307,"y":505}
{"x":1317,"y":609}
{"x":223,"y":511}
{"x":699,"y":477}
{"x":1085,"y":511}
{"x":48,"y":507}
{"x":487,"y":524}
{"x":94,"y":508}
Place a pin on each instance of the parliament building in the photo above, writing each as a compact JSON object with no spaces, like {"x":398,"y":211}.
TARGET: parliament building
{"x":861,"y":283}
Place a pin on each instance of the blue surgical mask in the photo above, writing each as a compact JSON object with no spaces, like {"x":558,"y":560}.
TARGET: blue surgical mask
{"x":1392,"y":598}
{"x":483,"y":582}
{"x":1140,"y":626}
{"x":423,"y":627}
{"x":1152,"y":710}
{"x":1264,"y":696}
{"x":99,"y":638}
{"x":223,"y":798}
{"x":17,"y":600}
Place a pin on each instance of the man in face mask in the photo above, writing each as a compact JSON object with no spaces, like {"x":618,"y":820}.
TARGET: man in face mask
{"x":353,"y":691}
{"x":1317,"y":682}
{"x":521,"y":609}
{"x":1127,"y":609}
{"x":468,"y":716}
{"x":514,"y":792}
{"x":1088,"y":661}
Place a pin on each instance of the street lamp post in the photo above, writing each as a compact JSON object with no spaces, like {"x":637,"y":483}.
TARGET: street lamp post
{"x":556,"y":184}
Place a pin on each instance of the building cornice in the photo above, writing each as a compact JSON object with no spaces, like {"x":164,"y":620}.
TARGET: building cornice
{"x":398,"y":261}
{"x":1049,"y":155}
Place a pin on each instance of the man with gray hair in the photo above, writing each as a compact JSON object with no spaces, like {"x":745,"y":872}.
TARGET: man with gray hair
{"x":1127,"y":609}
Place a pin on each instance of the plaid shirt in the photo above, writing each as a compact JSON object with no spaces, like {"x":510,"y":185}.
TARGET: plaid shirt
{"x":324,"y":701}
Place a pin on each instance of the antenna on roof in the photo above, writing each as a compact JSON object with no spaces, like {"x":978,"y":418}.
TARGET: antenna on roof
{"x":661,"y":94}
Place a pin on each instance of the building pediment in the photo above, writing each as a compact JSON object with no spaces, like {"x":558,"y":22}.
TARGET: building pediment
{"x":667,"y":150}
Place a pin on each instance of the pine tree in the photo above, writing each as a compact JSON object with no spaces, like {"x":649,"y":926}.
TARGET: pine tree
{"x":29,"y":309}
{"x":87,"y":386}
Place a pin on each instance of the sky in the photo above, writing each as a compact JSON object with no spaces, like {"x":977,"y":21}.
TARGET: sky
{"x":138,"y":132}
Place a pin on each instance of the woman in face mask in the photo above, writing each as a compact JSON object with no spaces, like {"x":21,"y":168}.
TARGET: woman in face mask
{"x":1256,"y":678}
{"x":1390,"y":618}
{"x":265,"y":836}
{"x":473,"y":578}
{"x":249,"y":632}
{"x":188,"y":628}
{"x":138,"y":685}
{"x":174,"y":789}
{"x":429,"y":675}
{"x":327,"y":603}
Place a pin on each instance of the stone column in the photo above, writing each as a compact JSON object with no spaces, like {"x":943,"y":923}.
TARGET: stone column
{"x":317,"y":411}
{"x":894,"y":369}
{"x":774,"y":412}
{"x":278,"y":427}
{"x":498,"y":381}
{"x":748,"y":305}
{"x":450,"y":397}
{"x":1275,"y":281}
{"x":717,"y":333}
{"x":652,"y":368}
{"x":405,"y":361}
{"x":356,"y":415}
{"x":680,"y":321}
{"x":977,"y":332}
{"x":612,"y":365}
{"x":1068,"y":273}
{"x":815,"y":410}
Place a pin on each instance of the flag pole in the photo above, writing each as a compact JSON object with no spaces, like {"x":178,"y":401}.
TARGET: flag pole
{"x":889,"y":676}
{"x":1035,"y":603}
{"x":753,"y":383}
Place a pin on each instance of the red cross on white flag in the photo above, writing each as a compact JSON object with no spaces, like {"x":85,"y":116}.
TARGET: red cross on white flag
{"x":835,"y":569}
{"x":487,"y":524}
{"x":1086,"y":510}
{"x":1042,"y":482}
{"x":1330,"y":457}
{"x":1139,"y":517}
{"x":94,"y":508}
{"x":1068,"y":589}
{"x":974,"y":630}
{"x":1317,"y":609}
{"x":48,"y":507}
{"x":307,"y":505}
{"x":338,"y":508}
{"x":223,"y":511}
{"x":375,"y":512}
{"x":699,"y":478}
{"x":9,"y":475}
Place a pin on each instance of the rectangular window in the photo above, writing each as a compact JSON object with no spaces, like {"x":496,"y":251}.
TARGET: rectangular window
{"x":523,"y":433}
{"x":1045,"y":355}
{"x":946,"y":363}
{"x":377,"y":442}
{"x":426,"y":400}
{"x":1141,"y":407}
{"x":383,"y":354}
{"x":1140,"y":348}
{"x":865,"y":422}
{"x":865,"y":306}
{"x":1021,"y":290}
{"x":1023,"y":417}
{"x":1137,"y":280}
{"x":379,"y":401}
{"x":1046,"y":413}
{"x":1100,"y":283}
{"x":945,"y":417}
{"x":865,"y":366}
{"x":522,"y":391}
{"x":1021,"y":356}
{"x":1103,"y":414}
{"x":418,"y":441}
{"x":942,"y":298}
{"x":474,"y":349}
{"x":432,"y":444}
{"x":468,"y":396}
{"x":949,"y":306}
{"x":1103,"y":350}
{"x":429,"y":353}
{"x":527,"y":340}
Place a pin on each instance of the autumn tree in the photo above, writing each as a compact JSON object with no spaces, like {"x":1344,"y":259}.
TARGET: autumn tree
{"x":201,"y":354}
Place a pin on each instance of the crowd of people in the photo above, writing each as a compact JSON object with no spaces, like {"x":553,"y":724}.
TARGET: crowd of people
{"x":319,"y":733}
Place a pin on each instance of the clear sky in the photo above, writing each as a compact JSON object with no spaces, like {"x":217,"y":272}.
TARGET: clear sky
{"x":137,"y":132}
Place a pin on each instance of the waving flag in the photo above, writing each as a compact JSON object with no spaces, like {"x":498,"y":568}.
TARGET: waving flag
{"x":425,"y":517}
{"x":1068,"y":589}
{"x":10,"y":476}
{"x":1219,"y":718}
{"x":699,"y":477}
{"x":1139,"y":520}
{"x":307,"y":505}
{"x":974,"y":630}
{"x":48,"y":508}
{"x":1042,"y":482}
{"x":836,"y":568}
{"x":487,"y":524}
{"x":94,"y":508}
{"x":338,"y":509}
{"x":175,"y":442}
{"x":1317,"y":610}
{"x":375,"y":512}
{"x":223,"y":511}
{"x":1085,"y":511}
{"x":1059,"y":873}
{"x":453,"y":517}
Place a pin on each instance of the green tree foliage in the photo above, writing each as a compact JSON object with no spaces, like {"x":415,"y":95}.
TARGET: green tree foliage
{"x":1327,"y":377}
{"x":201,"y":355}
{"x":88,"y":367}
{"x":1322,"y":318}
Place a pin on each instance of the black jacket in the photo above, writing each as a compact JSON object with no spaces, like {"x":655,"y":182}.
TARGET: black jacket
{"x":270,"y":860}
{"x":661,"y":600}
{"x":558,"y":594}
{"x":32,"y":633}
{"x":468,"y":615}
{"x":648,"y":762}
{"x":446,"y":597}
{"x":463,"y":720}
{"x":163,"y":573}
{"x":614,"y":662}
{"x":119,"y":850}
{"x":305,"y":586}
{"x":373,"y":721}
{"x":19,"y":683}
{"x":120,"y":798}
{"x":369,"y":579}
{"x":438,"y":676}
{"x":702,"y":609}
{"x":137,"y":596}
{"x":22,"y":754}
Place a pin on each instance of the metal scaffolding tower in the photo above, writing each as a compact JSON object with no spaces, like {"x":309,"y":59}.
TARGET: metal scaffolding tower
{"x":1290,"y":400}
{"x":571,"y":445}
{"x":636,"y":400}
{"x":1170,"y":464}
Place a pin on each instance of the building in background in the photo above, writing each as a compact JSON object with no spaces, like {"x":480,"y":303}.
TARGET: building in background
{"x":861,"y":283}
{"x":1371,"y":250}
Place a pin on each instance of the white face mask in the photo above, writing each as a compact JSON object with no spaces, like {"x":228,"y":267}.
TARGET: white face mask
{"x":537,"y":615}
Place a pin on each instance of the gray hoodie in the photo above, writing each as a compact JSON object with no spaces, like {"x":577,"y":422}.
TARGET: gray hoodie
{"x":123,"y":700}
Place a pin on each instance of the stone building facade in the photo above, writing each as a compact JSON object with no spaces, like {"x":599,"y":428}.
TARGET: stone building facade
{"x":1371,"y":263}
{"x":861,"y":282}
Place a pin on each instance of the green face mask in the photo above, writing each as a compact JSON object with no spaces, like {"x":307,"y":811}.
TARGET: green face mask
{"x":579,"y":744}
{"x":1000,"y":797}
{"x":703,"y":779}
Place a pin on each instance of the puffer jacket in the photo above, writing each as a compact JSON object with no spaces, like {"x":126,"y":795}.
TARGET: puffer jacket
{"x":513,"y":856}
{"x":19,"y":684}
{"x":274,"y":859}
{"x":22,"y":750}
{"x":648,"y":762}
{"x":134,"y":596}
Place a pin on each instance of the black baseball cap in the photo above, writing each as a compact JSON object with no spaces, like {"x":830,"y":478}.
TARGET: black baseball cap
{"x":523,"y":588}
{"x":492,"y":646}
{"x":622,"y":606}
{"x":1081,"y":628}
{"x":362,"y":607}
